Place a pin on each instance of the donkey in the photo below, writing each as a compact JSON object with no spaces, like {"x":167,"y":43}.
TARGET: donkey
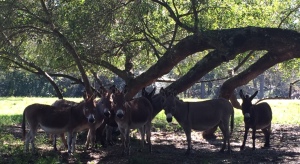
{"x":200,"y":116}
{"x":61,"y":103}
{"x":134,"y":114}
{"x":99,"y":117}
{"x":257,"y":116}
{"x":56,"y":120}
{"x":155,"y":100}
{"x":109,"y":121}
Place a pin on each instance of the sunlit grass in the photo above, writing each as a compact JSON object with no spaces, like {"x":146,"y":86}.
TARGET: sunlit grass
{"x":16,"y":105}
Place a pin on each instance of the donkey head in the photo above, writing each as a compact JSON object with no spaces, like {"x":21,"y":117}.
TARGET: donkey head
{"x":169,"y":103}
{"x":118,"y":103}
{"x":89,"y":109}
{"x":247,"y":104}
{"x":148,"y":95}
{"x":105,"y":100}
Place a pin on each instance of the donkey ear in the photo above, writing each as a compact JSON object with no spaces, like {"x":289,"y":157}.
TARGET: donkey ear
{"x":112,"y":89}
{"x":94,"y":96}
{"x":242,"y":94}
{"x":162,"y":91}
{"x":152,"y":92}
{"x":144,"y":92}
{"x":111,"y":98}
{"x":251,"y":98}
{"x":85,"y":95}
{"x":125,"y":90}
{"x":102,"y":90}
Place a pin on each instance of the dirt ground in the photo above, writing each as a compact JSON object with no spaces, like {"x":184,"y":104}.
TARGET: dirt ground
{"x":170,"y":147}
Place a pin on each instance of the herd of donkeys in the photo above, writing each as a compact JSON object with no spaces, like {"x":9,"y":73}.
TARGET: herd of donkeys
{"x":113,"y":110}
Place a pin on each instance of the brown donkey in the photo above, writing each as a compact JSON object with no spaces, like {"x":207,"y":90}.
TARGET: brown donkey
{"x":55,"y":120}
{"x":109,"y":122}
{"x":99,"y":117}
{"x":200,"y":116}
{"x":134,"y":114}
{"x":61,"y":103}
{"x":257,"y":116}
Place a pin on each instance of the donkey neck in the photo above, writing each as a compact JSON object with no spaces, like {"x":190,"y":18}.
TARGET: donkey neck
{"x":77,"y":113}
{"x":157,"y":104}
{"x":181,"y":111}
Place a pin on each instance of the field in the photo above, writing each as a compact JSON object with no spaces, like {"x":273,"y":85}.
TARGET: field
{"x":168,"y":140}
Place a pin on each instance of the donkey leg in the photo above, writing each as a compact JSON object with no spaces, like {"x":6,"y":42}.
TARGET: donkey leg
{"x":245,"y":137}
{"x":108,"y":137}
{"x":63,"y":139}
{"x":253,"y":138}
{"x":127,"y":140}
{"x":88,"y":139}
{"x":74,"y":141}
{"x":142,"y":133}
{"x":188,"y":138}
{"x":123,"y":136}
{"x":226,"y":136}
{"x":148,"y":133}
{"x":32,"y":134}
{"x":92,"y":137}
{"x":27,"y":139}
{"x":69,"y":139}
{"x":53,"y":136}
{"x":100,"y":135}
{"x":267,"y":133}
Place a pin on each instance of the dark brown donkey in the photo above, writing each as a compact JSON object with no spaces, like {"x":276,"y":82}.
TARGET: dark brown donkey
{"x":257,"y":116}
{"x":134,"y":114}
{"x":55,"y":120}
{"x":200,"y":116}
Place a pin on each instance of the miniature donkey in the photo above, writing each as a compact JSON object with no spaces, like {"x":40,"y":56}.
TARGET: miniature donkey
{"x":257,"y":116}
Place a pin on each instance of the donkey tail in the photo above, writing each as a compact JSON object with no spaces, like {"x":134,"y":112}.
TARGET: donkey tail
{"x":232,"y":122}
{"x":23,"y":126}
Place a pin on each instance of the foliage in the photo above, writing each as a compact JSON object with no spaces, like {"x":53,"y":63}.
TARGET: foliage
{"x":105,"y":35}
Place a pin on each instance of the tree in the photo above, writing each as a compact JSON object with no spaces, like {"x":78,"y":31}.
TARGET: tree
{"x":125,"y":37}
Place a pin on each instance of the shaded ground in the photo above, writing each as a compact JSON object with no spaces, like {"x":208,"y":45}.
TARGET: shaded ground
{"x":169,"y":147}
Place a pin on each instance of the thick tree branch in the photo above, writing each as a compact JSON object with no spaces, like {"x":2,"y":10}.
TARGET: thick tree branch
{"x":264,"y":63}
{"x":227,"y":44}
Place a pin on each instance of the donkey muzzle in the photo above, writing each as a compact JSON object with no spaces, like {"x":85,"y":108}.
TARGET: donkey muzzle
{"x":106,"y":112}
{"x":247,"y":115}
{"x":91,"y":119}
{"x":120,"y":113}
{"x":169,"y":117}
